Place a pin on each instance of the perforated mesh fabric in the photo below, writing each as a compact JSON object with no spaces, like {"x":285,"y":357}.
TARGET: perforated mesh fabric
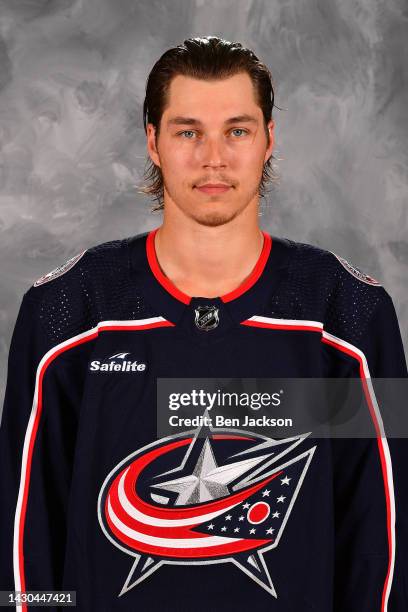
{"x":314,"y":286}
{"x":317,"y":287}
{"x":98,"y":288}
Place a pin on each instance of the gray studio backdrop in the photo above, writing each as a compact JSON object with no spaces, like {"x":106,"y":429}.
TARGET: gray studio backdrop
{"x":72,"y":79}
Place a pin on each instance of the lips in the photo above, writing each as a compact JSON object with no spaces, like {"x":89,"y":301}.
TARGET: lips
{"x":214,"y":188}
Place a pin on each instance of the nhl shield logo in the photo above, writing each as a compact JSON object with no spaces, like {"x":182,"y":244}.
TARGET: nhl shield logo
{"x":206,"y":317}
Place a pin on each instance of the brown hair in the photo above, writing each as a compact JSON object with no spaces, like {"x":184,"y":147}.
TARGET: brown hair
{"x":208,"y":58}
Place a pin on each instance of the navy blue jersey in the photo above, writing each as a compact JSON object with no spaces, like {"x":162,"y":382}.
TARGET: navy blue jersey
{"x":93,"y":500}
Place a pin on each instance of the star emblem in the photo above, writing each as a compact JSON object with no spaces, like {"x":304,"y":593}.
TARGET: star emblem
{"x":208,"y":480}
{"x":206,"y":473}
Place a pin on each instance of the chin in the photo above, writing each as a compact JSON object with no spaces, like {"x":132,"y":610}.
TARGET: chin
{"x":214,"y":219}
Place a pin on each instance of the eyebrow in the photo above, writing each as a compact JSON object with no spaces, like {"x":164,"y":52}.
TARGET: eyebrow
{"x":179,"y":120}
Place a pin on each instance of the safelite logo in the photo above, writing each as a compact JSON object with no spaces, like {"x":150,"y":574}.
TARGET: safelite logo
{"x":117,"y":363}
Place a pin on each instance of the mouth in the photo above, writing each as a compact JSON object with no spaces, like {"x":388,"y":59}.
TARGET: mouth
{"x":214,"y":188}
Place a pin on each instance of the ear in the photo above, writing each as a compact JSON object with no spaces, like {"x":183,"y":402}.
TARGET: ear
{"x":268,"y":152}
{"x":152,"y":144}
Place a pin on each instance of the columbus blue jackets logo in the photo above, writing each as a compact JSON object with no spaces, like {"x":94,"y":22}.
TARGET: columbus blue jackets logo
{"x":70,"y":263}
{"x":365,"y":278}
{"x":209,"y":496}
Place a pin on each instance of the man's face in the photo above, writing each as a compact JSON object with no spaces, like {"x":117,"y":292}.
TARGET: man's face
{"x":205,"y":139}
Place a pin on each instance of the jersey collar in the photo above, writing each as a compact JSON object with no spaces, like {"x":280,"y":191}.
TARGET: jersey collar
{"x":246,"y":300}
{"x":227,"y":297}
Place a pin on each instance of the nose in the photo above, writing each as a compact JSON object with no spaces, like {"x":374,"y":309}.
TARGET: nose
{"x":213,"y":153}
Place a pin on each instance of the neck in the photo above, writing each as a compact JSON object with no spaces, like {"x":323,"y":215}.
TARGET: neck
{"x":208,"y":261}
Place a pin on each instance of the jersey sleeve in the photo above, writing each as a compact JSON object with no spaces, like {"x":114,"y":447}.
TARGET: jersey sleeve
{"x":386,"y":358}
{"x":371,"y":492}
{"x":37,"y":439}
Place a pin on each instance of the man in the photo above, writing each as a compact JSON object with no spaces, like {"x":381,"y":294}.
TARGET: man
{"x":94,"y":498}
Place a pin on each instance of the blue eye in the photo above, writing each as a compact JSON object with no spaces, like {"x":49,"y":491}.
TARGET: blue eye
{"x":184,"y":132}
{"x":239,"y":130}
{"x":187,"y":132}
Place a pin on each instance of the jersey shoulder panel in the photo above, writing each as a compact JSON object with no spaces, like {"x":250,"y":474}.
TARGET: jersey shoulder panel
{"x":96,"y":286}
{"x":322,"y":286}
{"x":59,"y":270}
{"x":356,"y":272}
{"x":85,"y":265}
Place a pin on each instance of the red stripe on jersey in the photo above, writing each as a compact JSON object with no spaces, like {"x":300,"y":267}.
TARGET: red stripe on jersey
{"x":38,"y":403}
{"x":227,"y":297}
